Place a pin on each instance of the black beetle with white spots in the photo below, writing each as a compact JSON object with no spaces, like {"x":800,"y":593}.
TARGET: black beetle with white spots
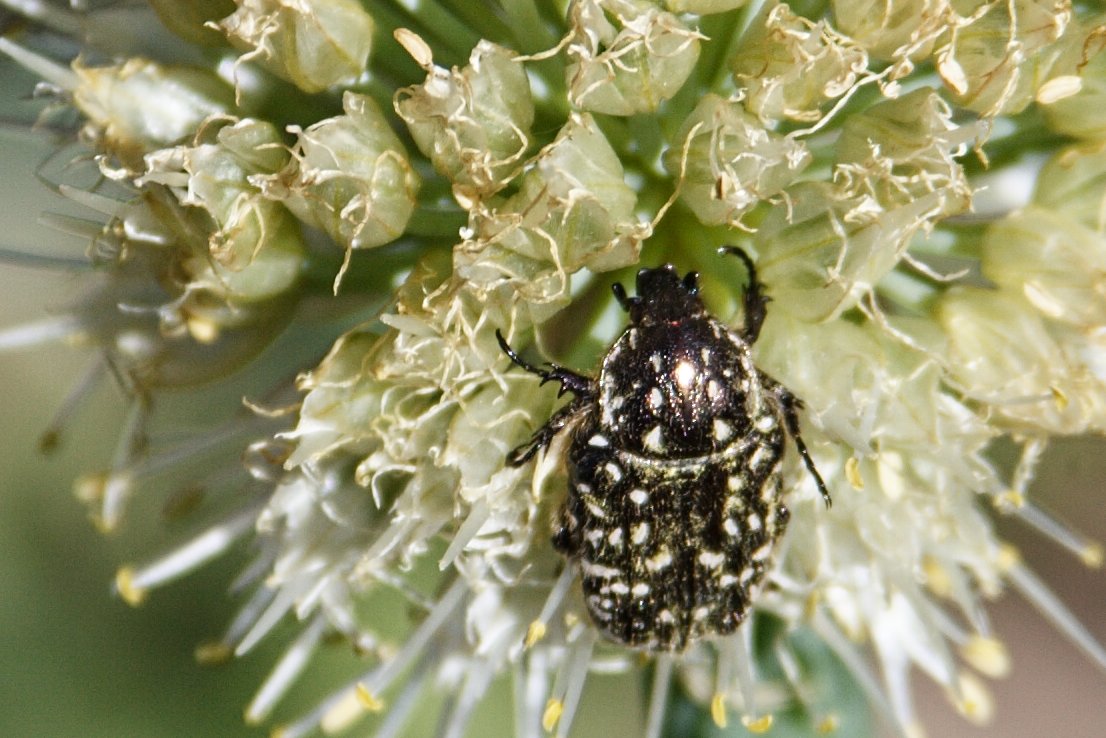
{"x":674,"y":501}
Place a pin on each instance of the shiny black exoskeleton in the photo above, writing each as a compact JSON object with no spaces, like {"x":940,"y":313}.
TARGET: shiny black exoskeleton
{"x":674,"y":466}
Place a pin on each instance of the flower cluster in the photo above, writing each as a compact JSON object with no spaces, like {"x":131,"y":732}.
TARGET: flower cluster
{"x":444,"y":171}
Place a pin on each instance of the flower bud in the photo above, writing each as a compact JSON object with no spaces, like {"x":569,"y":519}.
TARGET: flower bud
{"x":315,"y":44}
{"x":991,"y":74}
{"x":729,"y":162}
{"x":350,"y":177}
{"x":572,"y":209}
{"x":1057,"y":264}
{"x":139,"y":106}
{"x":627,"y":56}
{"x":473,"y":123}
{"x":253,"y":249}
{"x":892,"y":29}
{"x":1073,"y":105}
{"x":1001,"y":353}
{"x":789,"y":66}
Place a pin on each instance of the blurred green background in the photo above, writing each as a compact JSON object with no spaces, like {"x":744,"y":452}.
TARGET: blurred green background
{"x":75,"y":660}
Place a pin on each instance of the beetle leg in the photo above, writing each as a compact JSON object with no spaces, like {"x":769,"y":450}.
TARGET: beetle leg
{"x":790,"y":406}
{"x":756,"y":302}
{"x":570,"y":381}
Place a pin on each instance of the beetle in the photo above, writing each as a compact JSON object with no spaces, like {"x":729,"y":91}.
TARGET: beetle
{"x":674,"y":465}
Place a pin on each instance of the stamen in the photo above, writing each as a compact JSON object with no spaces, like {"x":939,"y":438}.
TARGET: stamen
{"x":473,"y":523}
{"x":49,"y":70}
{"x":1089,"y":551}
{"x":396,"y":718}
{"x":1049,"y":605}
{"x":738,"y":648}
{"x":345,"y":705}
{"x":283,"y":600}
{"x":246,"y":616}
{"x":973,"y":700}
{"x":658,"y":698}
{"x":477,"y":679}
{"x":49,"y":439}
{"x":531,"y":685}
{"x":857,"y":665}
{"x":119,"y":483}
{"x":536,"y":631}
{"x":286,"y":671}
{"x":571,"y":677}
{"x":195,"y":553}
{"x":39,"y":332}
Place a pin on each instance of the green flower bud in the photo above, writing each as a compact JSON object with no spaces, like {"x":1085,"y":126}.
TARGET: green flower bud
{"x":350,"y":177}
{"x":729,"y":162}
{"x":1073,"y":105}
{"x":193,"y":20}
{"x":703,"y":7}
{"x":1074,"y":183}
{"x":904,"y":149}
{"x":896,"y":175}
{"x":139,"y":106}
{"x":627,"y":56}
{"x":314,"y":44}
{"x":893,"y":29}
{"x":572,"y":209}
{"x":473,"y":123}
{"x":253,"y":251}
{"x":1057,"y":264}
{"x":789,"y":66}
{"x":999,"y":61}
{"x":1002,"y":353}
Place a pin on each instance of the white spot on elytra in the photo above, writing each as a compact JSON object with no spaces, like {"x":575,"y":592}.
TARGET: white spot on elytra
{"x":656,"y":399}
{"x":705,"y":353}
{"x":761,"y":553}
{"x":614,"y":470}
{"x":639,"y":534}
{"x":654,"y":439}
{"x":684,"y":374}
{"x":713,"y":388}
{"x":599,"y":440}
{"x":657,"y":362}
{"x":711,"y":559}
{"x":615,"y":537}
{"x":596,"y":510}
{"x":639,"y":497}
{"x":700,"y":613}
{"x":759,"y":457}
{"x":765,"y":423}
{"x":730,"y":527}
{"x":754,"y":521}
{"x":592,"y":569}
{"x":722,"y":430}
{"x":594,"y":536}
{"x":736,"y":483}
{"x":640,"y":589}
{"x":660,"y":560}
{"x":583,"y":488}
{"x":665,"y":616}
{"x":727,"y":580}
{"x":619,"y":588}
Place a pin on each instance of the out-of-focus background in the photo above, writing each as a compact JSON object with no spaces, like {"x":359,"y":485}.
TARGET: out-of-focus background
{"x":75,"y":660}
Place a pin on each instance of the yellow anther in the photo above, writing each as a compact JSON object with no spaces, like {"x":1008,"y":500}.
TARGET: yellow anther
{"x":124,"y":584}
{"x":718,"y":709}
{"x":553,"y":709}
{"x":852,"y":473}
